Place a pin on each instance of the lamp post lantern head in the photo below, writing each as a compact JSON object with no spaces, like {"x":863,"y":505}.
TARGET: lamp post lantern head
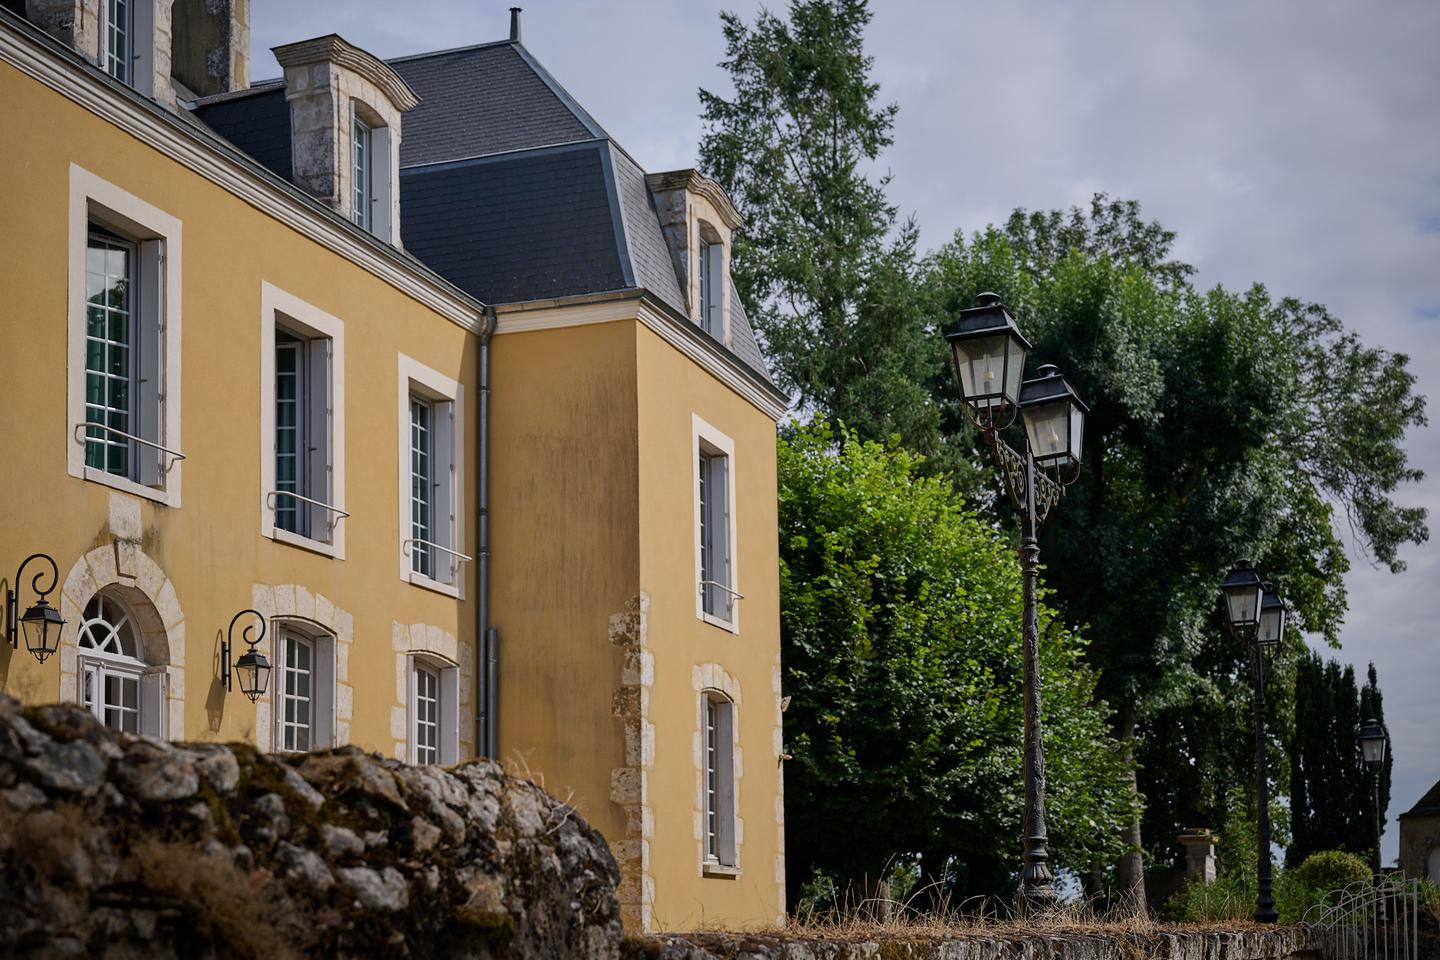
{"x":1272,"y":617}
{"x":42,"y":624}
{"x":989,"y":353}
{"x":1372,"y":743}
{"x":1243,"y":592}
{"x":1054,"y":419}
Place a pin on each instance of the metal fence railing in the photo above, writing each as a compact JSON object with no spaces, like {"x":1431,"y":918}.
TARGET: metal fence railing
{"x":1374,"y":919}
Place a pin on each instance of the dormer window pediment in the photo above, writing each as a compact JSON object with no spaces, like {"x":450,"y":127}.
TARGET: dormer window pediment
{"x":345,"y":114}
{"x":698,"y":222}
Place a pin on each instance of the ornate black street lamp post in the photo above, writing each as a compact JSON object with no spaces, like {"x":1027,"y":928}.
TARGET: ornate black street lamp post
{"x":989,"y":354}
{"x":1372,"y":747}
{"x":1257,"y":618}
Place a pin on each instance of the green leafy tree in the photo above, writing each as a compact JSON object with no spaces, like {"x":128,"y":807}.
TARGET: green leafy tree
{"x":900,"y":625}
{"x":1224,"y":425}
{"x":1331,"y":804}
{"x":822,"y":266}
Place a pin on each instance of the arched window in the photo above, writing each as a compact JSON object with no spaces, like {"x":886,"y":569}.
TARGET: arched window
{"x":719,"y":754}
{"x":114,"y":683}
{"x":305,"y":687}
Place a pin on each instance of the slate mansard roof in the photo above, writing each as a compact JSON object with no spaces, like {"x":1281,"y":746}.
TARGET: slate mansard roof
{"x":508,"y":187}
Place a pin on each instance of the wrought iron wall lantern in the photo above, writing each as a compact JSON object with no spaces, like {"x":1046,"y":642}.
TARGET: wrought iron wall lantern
{"x":253,"y":667}
{"x":41,"y":622}
{"x":989,"y":353}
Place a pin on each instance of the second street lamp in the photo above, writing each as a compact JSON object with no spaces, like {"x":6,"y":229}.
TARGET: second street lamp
{"x":1257,"y":618}
{"x":989,"y":353}
{"x":1372,"y":748}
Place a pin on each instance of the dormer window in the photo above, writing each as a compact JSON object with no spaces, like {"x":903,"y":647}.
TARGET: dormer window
{"x":712,"y":285}
{"x":712,"y":282}
{"x":118,"y":33}
{"x":345,"y":110}
{"x":362,"y":152}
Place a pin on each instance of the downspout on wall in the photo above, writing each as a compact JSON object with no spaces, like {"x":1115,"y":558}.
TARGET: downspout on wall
{"x":487,"y":638}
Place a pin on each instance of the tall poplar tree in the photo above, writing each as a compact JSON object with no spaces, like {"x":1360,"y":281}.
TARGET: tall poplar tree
{"x":823,"y":265}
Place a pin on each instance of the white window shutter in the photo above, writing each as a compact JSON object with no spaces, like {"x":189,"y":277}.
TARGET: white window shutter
{"x":152,"y":704}
{"x":410,"y":714}
{"x":449,"y":716}
{"x":324,"y":700}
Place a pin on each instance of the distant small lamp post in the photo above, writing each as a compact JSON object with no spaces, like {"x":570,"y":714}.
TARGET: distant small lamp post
{"x":1372,"y":746}
{"x":989,"y":353}
{"x":41,"y":622}
{"x":1257,"y":617}
{"x":253,"y":668}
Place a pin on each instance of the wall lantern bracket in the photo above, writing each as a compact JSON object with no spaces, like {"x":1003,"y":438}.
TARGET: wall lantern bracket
{"x":41,"y":623}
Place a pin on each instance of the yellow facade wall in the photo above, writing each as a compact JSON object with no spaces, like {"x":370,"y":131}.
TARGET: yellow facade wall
{"x":671,"y":390}
{"x":592,"y":517}
{"x":210,"y":548}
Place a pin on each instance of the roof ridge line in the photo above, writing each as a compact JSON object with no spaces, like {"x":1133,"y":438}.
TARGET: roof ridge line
{"x":507,"y":154}
{"x":448,"y":50}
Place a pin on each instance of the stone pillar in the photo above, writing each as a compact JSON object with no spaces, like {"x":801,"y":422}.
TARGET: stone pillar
{"x":1199,"y":855}
{"x":75,"y":23}
{"x":212,"y":45}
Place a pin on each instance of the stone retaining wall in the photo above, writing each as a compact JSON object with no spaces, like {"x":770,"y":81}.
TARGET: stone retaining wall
{"x":1280,"y":943}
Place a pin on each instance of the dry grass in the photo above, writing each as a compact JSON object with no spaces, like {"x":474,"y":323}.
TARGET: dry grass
{"x":862,"y":918}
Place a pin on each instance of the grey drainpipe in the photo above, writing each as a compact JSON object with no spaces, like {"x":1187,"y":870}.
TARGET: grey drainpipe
{"x":486,"y":638}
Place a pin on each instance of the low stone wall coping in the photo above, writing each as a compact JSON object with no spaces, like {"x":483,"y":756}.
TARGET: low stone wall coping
{"x":1278,"y":943}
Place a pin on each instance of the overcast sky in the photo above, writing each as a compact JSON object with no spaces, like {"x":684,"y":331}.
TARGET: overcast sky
{"x":1292,"y":143}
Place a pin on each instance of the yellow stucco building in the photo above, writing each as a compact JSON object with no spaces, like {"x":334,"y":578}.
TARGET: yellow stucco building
{"x":410,"y":359}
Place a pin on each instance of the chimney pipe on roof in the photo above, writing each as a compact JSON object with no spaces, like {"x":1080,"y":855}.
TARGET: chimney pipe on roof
{"x":515,"y":24}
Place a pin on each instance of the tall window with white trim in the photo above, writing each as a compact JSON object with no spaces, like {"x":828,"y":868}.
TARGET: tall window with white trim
{"x":118,"y":29}
{"x":362,"y":167}
{"x":719,"y":779}
{"x":110,"y":355}
{"x":422,"y":485}
{"x":305,"y":687}
{"x":717,"y":596}
{"x":711,"y":252}
{"x":303,"y":444}
{"x":426,"y":715}
{"x":297,"y":689}
{"x":124,"y":371}
{"x":431,"y":492}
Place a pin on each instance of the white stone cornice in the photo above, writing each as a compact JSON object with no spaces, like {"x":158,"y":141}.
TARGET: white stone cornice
{"x":57,"y":68}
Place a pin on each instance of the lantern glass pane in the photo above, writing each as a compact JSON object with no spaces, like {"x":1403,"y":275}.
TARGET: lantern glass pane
{"x":1015,"y":369}
{"x":247,"y":674}
{"x":1374,"y":748}
{"x":1048,"y":427}
{"x":982,"y":369}
{"x":1272,"y":624}
{"x":1243,"y":605}
{"x":1077,"y":431}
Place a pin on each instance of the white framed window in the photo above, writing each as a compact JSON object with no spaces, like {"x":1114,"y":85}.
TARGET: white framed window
{"x":362,"y":163}
{"x":302,"y":424}
{"x":713,"y":459}
{"x":432,"y":417}
{"x":123,"y":363}
{"x":115,"y":683}
{"x":304,"y":688}
{"x":117,"y":39}
{"x":719,"y":778}
{"x":373,"y":159}
{"x":712,"y":294}
{"x":433,"y":710}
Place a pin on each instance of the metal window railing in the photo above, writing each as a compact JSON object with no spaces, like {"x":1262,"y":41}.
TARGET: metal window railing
{"x":457,"y":558}
{"x":725,"y":587}
{"x":175,"y":455}
{"x":336,"y":514}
